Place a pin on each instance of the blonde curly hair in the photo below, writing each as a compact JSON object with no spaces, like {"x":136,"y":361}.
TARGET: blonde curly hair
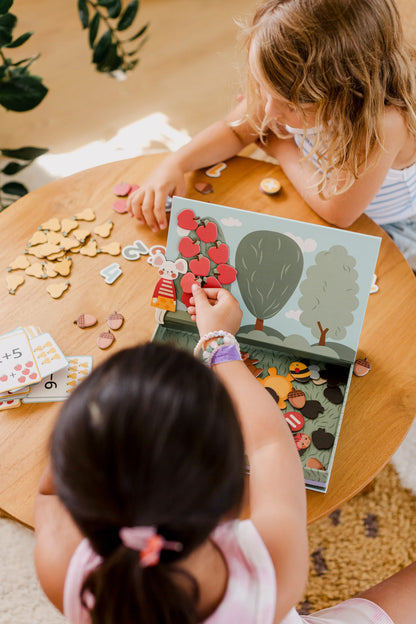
{"x":347,"y":58}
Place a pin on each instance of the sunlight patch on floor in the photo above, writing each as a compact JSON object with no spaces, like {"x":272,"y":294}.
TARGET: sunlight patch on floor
{"x":148,"y":135}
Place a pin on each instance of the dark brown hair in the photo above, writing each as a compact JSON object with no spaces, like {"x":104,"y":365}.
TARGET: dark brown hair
{"x":149,"y":438}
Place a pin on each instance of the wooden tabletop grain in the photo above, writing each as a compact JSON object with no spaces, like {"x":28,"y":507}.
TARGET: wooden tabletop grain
{"x":379,"y":409}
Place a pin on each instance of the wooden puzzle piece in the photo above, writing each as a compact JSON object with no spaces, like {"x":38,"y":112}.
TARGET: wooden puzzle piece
{"x":55,"y":238}
{"x":115,"y":320}
{"x":81,"y":235}
{"x":120,"y":206}
{"x":104,"y":230}
{"x":56,"y":290}
{"x":52,"y":225}
{"x":113,"y":249}
{"x":70,"y":244}
{"x":216,"y":170}
{"x":21,"y":262}
{"x":63,"y":267}
{"x":270,"y":186}
{"x":133,"y":252}
{"x":38,"y":238}
{"x":85,"y":215}
{"x":90,"y":249}
{"x":43,"y":250}
{"x":105,"y":340}
{"x":122,"y":189}
{"x":14,"y":280}
{"x":361,"y":367}
{"x":49,"y":268}
{"x":203,"y":187}
{"x":111,"y":272}
{"x":68,"y":225}
{"x":36,"y":270}
{"x":85,"y":320}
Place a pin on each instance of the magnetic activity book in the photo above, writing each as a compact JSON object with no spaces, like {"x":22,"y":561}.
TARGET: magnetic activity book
{"x":303,"y":289}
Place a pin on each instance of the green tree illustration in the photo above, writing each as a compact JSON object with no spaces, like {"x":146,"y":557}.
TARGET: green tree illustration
{"x":329,"y":291}
{"x":269,"y":266}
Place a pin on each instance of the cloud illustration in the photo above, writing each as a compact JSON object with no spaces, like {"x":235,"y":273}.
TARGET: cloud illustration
{"x":231,"y":222}
{"x":306,"y":245}
{"x":293,"y":314}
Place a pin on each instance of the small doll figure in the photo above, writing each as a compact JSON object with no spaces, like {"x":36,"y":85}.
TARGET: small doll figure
{"x":164,"y":294}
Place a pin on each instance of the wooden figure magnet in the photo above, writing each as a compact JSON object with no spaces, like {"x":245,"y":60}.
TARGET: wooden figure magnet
{"x":164,"y":294}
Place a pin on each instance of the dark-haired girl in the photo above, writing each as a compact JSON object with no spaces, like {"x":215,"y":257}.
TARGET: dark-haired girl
{"x":137,"y":516}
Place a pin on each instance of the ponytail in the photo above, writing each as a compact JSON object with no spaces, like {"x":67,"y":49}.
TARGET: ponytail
{"x":121,"y":590}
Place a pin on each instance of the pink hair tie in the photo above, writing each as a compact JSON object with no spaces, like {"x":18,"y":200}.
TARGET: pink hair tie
{"x":147,"y":542}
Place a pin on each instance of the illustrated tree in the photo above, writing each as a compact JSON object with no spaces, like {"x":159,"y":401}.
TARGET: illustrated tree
{"x":20,"y":90}
{"x":328,"y":294}
{"x":269,"y":266}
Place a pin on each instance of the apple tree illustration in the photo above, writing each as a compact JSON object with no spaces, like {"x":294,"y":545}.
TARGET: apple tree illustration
{"x":328,"y":294}
{"x":269,"y":266}
{"x":204,"y":248}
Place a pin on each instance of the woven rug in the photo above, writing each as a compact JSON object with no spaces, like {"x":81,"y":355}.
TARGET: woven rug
{"x":370,"y":538}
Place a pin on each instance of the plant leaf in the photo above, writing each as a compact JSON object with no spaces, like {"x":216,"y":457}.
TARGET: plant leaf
{"x":5,"y":5}
{"x":115,"y":10}
{"x":20,"y":40}
{"x":24,"y":153}
{"x":8,"y":21}
{"x":102,"y":47}
{"x":94,"y":26}
{"x":128,"y":16}
{"x":83,"y":13}
{"x":22,"y":93}
{"x":5,"y":37}
{"x":14,"y":188}
{"x":111,"y":61}
{"x":140,"y":33}
{"x":13,"y":167}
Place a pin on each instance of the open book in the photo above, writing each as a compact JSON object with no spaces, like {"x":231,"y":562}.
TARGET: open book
{"x":303,"y":289}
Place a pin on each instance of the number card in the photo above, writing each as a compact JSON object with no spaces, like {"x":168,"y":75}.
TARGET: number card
{"x":58,"y":386}
{"x":49,"y":356}
{"x":18,"y":366}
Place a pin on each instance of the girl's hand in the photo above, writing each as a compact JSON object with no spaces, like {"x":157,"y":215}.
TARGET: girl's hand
{"x":148,"y":203}
{"x":214,"y":309}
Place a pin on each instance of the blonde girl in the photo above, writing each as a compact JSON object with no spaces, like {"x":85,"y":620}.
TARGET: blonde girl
{"x":331,"y":94}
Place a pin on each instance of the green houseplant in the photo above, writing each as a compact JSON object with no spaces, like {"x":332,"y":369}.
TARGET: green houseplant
{"x":112,"y":51}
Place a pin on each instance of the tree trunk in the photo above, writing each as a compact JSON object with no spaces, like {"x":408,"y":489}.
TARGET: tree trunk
{"x":324,"y":332}
{"x":259,"y":324}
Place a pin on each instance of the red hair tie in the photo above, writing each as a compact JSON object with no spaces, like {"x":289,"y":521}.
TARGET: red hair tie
{"x":148,"y":543}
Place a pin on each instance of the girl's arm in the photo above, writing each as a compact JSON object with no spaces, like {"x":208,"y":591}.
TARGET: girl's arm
{"x":341,"y":210}
{"x":56,"y":538}
{"x":216,"y":143}
{"x":277,"y":490}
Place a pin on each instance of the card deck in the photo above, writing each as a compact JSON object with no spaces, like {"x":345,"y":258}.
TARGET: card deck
{"x":58,"y":385}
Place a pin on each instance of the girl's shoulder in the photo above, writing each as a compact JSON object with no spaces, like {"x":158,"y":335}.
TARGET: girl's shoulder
{"x":398,"y":139}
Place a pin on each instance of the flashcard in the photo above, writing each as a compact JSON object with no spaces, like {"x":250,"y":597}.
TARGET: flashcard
{"x":49,"y":356}
{"x":57,"y":386}
{"x":9,"y":403}
{"x":18,"y":366}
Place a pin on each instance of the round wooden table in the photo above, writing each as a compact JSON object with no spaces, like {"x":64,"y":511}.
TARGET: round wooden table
{"x":380,"y":407}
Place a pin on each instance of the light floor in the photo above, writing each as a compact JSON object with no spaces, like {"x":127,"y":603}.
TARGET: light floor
{"x":190,"y":70}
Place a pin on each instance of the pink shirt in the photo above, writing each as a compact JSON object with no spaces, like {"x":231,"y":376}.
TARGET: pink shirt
{"x":250,"y":597}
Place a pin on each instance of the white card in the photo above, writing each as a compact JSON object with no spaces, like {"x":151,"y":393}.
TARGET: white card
{"x":58,"y":386}
{"x":49,"y":356}
{"x":18,"y":365}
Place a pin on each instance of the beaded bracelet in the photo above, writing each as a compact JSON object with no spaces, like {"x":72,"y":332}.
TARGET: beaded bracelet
{"x":222,"y":339}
